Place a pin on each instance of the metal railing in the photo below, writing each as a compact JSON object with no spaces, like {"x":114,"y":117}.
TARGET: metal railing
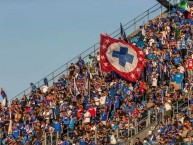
{"x":122,"y":134}
{"x":155,"y":116}
{"x":125,"y":135}
{"x":129,"y":27}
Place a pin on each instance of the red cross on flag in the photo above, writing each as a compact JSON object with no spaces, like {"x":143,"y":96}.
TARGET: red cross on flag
{"x":121,"y":57}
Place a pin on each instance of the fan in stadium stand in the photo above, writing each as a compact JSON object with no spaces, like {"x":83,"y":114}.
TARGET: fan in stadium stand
{"x":121,"y":57}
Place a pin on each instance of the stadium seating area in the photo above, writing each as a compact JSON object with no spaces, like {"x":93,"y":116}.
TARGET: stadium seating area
{"x":88,"y":106}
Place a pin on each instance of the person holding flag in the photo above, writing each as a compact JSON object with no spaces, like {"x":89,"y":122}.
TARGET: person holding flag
{"x":122,"y":58}
{"x":4,"y":96}
{"x":10,"y":128}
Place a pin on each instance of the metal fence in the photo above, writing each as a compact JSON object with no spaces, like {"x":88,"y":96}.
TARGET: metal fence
{"x":126,"y":135}
{"x":123,"y":135}
{"x":156,"y":116}
{"x":129,"y":27}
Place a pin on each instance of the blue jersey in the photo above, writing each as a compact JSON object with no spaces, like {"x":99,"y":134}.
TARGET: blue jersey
{"x":57,"y":126}
{"x":37,"y":142}
{"x":65,"y":120}
{"x":172,"y":77}
{"x":16,"y":133}
{"x":82,"y":142}
{"x":66,"y":142}
{"x":177,"y":60}
{"x":117,"y":103}
{"x":178,"y":78}
{"x":104,"y":116}
{"x":72,"y":122}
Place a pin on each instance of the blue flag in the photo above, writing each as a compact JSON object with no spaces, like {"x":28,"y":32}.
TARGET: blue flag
{"x":123,"y":35}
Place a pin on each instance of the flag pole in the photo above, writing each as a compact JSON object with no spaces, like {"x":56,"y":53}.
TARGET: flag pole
{"x":89,"y":81}
{"x":10,"y":121}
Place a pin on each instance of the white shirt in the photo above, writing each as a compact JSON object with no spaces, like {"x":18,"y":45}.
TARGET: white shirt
{"x":96,"y":99}
{"x":44,"y":88}
{"x":168,"y":106}
{"x":93,"y":128}
{"x":182,"y":70}
{"x":131,"y":88}
{"x":98,"y":57}
{"x":143,"y":31}
{"x":47,"y":114}
{"x":151,"y":41}
{"x":146,"y":51}
{"x":102,"y":100}
{"x":154,"y":82}
{"x":113,"y":140}
{"x":181,"y":119}
{"x":154,"y":63}
{"x":87,"y":117}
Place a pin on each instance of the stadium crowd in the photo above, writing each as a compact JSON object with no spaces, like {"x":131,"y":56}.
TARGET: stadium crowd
{"x":88,"y":105}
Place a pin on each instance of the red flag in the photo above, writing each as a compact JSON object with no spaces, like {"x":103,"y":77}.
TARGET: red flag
{"x":121,"y":57}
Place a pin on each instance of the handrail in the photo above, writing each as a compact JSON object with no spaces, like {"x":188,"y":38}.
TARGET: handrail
{"x":91,"y":50}
{"x":157,"y":120}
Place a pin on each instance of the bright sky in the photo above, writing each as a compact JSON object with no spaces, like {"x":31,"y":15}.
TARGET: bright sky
{"x":38,"y":36}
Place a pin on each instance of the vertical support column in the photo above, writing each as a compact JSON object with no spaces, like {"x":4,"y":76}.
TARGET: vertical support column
{"x":53,"y":77}
{"x":128,"y":131}
{"x":131,"y":132}
{"x":135,"y":126}
{"x":173,"y":110}
{"x":57,"y":136}
{"x":51,"y":138}
{"x":67,"y":132}
{"x":45,"y":139}
{"x":188,"y":103}
{"x":137,"y":129}
{"x":128,"y":143}
{"x":161,"y":10}
{"x":67,"y":68}
{"x":94,"y":51}
{"x":177,"y":109}
{"x":96,"y":136}
{"x":134,"y":23}
{"x":146,"y":122}
{"x":117,"y":133}
{"x":163,"y":116}
{"x":156,"y":114}
{"x":147,"y":15}
{"x":148,"y":118}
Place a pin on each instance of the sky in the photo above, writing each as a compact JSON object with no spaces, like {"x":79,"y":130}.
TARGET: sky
{"x":38,"y":36}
